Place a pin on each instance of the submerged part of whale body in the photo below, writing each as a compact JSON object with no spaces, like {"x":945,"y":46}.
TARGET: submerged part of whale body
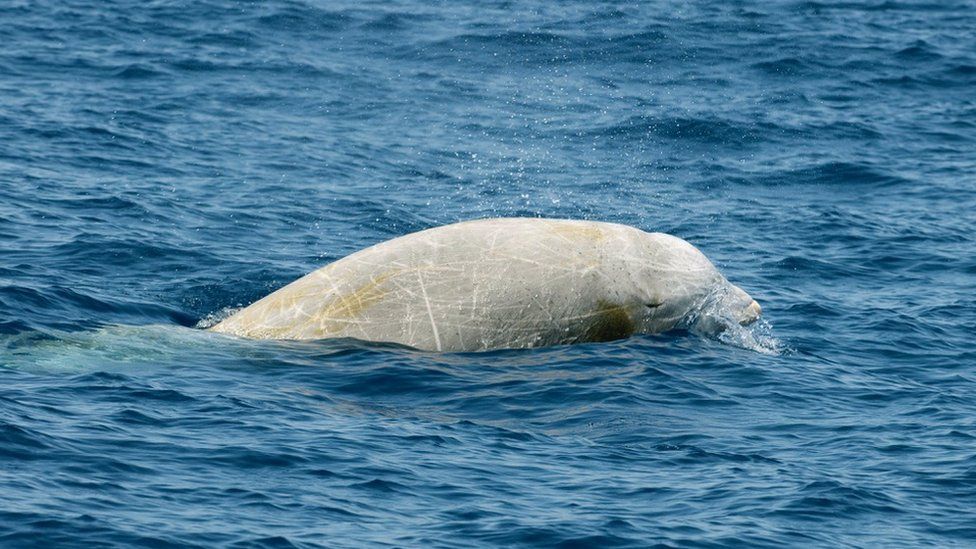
{"x":503,"y":283}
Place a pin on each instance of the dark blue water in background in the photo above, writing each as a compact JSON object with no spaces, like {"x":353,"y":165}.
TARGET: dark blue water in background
{"x":163,"y":162}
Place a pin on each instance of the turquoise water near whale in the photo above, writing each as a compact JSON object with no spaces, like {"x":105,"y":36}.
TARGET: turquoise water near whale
{"x":162,"y":163}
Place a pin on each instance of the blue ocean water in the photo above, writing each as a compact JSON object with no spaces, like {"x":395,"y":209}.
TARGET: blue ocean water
{"x":163,"y":162}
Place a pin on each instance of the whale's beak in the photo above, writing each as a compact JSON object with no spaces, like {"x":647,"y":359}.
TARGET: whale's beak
{"x":750,"y":314}
{"x":746,"y":310}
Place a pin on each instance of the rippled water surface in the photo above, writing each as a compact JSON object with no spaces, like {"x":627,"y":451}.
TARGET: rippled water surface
{"x":162,"y":163}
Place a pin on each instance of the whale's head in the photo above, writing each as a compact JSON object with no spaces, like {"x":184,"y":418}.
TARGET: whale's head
{"x":678,"y":286}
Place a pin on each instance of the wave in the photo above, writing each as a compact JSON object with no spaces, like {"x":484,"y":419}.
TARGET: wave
{"x":704,"y":130}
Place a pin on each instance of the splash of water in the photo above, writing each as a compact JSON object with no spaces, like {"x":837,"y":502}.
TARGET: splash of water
{"x":717,"y":318}
{"x":758,"y":337}
{"x":216,"y":317}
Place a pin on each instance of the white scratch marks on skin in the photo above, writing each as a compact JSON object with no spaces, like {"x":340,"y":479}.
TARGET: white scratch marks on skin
{"x":430,"y":313}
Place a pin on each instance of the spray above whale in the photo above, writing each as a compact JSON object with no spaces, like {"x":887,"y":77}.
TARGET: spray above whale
{"x":500,"y":284}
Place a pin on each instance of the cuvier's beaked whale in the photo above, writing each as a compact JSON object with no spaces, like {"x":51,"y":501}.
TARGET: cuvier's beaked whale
{"x":500,"y":283}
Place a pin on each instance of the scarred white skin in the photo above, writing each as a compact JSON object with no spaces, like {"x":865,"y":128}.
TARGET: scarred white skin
{"x":499,"y":283}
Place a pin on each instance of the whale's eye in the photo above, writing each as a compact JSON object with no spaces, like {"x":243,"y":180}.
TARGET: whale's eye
{"x":653,"y":305}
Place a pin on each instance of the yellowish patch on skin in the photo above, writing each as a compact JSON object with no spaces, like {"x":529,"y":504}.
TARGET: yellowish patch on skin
{"x":578,"y":231}
{"x":334,"y":316}
{"x":332,"y":319}
{"x":609,"y":322}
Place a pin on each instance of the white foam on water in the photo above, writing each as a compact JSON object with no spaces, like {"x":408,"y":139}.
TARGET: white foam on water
{"x":216,"y":317}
